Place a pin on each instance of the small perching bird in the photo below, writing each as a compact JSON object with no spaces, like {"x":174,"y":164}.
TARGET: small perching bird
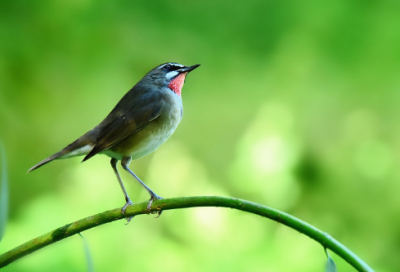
{"x":142,"y":120}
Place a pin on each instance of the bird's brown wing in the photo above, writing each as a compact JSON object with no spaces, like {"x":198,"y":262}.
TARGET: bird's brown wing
{"x":133,"y":112}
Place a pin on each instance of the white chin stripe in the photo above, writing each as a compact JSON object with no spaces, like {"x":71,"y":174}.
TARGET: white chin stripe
{"x":171,"y":75}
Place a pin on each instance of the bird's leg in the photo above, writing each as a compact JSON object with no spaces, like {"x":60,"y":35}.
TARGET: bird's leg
{"x":127,"y":199}
{"x":153,"y":196}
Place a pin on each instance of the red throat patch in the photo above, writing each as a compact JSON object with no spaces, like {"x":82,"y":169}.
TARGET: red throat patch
{"x":177,"y":83}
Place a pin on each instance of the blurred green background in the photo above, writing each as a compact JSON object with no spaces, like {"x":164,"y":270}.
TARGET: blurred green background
{"x":295,"y":106}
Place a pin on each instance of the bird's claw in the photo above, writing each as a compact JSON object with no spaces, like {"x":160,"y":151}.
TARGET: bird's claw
{"x":154,"y":197}
{"x":159,"y":214}
{"x":128,"y":219}
{"x":123,"y":210}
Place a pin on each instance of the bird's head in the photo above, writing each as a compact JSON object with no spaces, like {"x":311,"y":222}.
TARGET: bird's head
{"x":171,"y":75}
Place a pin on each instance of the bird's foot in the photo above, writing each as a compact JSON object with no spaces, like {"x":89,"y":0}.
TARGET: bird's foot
{"x":154,"y":197}
{"x":127,"y":204}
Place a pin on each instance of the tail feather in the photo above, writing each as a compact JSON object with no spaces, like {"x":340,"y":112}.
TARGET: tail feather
{"x":49,"y":159}
{"x":80,"y":147}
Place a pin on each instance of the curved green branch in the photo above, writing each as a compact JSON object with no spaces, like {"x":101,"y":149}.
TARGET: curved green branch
{"x":185,"y":202}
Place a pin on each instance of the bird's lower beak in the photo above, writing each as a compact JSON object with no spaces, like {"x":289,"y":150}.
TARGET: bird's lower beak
{"x":188,"y":69}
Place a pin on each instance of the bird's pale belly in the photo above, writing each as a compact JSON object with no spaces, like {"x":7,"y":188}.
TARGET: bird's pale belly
{"x":144,"y":141}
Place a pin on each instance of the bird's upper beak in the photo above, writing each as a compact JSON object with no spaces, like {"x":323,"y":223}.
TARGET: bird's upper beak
{"x":188,"y":68}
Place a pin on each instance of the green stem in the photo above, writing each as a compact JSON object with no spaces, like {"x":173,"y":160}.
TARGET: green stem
{"x":185,"y":202}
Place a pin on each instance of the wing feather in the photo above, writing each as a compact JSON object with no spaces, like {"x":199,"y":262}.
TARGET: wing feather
{"x":134,"y":111}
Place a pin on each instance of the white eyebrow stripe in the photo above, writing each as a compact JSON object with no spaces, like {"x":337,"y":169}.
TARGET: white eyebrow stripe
{"x":172,"y":64}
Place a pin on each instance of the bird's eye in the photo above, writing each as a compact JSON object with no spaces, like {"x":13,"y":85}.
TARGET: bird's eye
{"x":167,"y":67}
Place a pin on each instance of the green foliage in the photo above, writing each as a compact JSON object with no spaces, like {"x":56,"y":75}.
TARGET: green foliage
{"x":178,"y":203}
{"x":330,"y":264}
{"x":295,"y":106}
{"x":3,"y":191}
{"x":88,"y":255}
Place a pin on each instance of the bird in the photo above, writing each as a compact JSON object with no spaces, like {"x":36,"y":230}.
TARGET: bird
{"x":145,"y":117}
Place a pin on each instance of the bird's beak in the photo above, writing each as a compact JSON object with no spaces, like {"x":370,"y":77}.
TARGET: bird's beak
{"x":188,"y":69}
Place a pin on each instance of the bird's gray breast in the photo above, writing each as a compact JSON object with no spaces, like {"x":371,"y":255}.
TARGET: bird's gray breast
{"x":154,"y":134}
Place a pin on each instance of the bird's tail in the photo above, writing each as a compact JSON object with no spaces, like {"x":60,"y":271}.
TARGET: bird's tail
{"x":80,"y":147}
{"x":49,"y":159}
